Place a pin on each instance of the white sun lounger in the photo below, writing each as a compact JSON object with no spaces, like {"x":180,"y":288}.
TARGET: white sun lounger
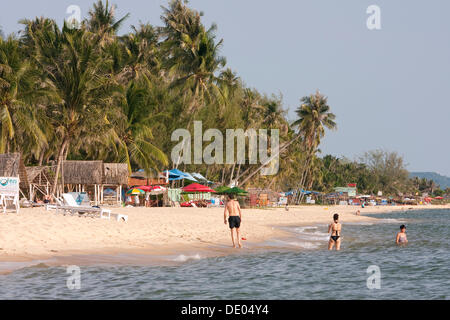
{"x":72,"y":206}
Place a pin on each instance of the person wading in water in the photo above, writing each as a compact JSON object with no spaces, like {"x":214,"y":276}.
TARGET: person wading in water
{"x":335,"y":229}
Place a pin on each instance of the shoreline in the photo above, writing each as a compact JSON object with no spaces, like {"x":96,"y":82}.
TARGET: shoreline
{"x":206,"y":235}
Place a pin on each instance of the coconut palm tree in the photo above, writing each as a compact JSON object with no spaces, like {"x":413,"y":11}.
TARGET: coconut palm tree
{"x":137,"y":53}
{"x":313,"y":117}
{"x":132,"y":136}
{"x":73,"y":67}
{"x":103,"y":23}
{"x":18,"y":122}
{"x":192,"y":55}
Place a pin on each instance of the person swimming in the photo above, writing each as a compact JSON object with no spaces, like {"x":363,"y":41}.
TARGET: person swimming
{"x":401,"y":236}
{"x":335,"y":229}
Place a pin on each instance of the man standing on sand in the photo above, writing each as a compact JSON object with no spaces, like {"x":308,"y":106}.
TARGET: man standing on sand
{"x":234,"y":218}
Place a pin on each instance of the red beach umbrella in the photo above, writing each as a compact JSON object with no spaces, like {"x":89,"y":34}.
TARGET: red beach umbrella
{"x":146,"y":188}
{"x":195,"y":187}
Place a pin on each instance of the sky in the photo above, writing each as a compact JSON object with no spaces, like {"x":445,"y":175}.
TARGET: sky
{"x":388,"y":87}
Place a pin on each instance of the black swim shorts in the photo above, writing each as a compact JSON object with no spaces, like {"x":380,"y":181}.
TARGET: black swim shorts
{"x":234,"y":221}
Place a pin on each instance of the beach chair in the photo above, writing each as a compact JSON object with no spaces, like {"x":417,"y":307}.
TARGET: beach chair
{"x":59,"y":202}
{"x":4,"y":202}
{"x":73,"y":207}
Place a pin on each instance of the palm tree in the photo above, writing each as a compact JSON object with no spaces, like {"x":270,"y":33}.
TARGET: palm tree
{"x":103,"y":23}
{"x":73,"y":67}
{"x":192,"y":55}
{"x":133,"y":135}
{"x":19,"y":126}
{"x":136,"y":54}
{"x":313,"y":117}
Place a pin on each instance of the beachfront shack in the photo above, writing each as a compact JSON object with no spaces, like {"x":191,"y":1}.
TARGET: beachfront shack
{"x":93,"y":177}
{"x":40,"y":180}
{"x":82,"y":176}
{"x":11,"y":165}
{"x":115,"y":177}
{"x":262,"y":197}
{"x":141,"y":178}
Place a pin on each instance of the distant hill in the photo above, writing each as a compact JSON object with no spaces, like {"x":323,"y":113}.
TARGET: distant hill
{"x":442,"y":181}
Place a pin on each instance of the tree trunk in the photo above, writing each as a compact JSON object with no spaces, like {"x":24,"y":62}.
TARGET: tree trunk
{"x":299,"y":195}
{"x":187,"y":128}
{"x":223,"y":175}
{"x":238,"y":175}
{"x":268,"y":160}
{"x":58,"y":166}
{"x":271,"y":183}
{"x":41,"y":158}
{"x":232,"y":173}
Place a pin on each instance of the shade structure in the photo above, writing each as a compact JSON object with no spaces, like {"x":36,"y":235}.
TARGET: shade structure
{"x":158,"y":190}
{"x":176,"y":174}
{"x":145,"y":188}
{"x":197,"y":188}
{"x":439,"y":198}
{"x":199,"y":177}
{"x":235,"y":190}
{"x":135,"y":191}
{"x":222,"y":189}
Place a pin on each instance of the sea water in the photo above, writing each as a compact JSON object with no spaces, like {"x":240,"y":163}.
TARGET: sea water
{"x":296,"y":267}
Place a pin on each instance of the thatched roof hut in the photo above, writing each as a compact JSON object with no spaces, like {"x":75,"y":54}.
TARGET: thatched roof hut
{"x":115,"y":173}
{"x":33,"y":172}
{"x":11,"y":165}
{"x":40,"y":174}
{"x":82,"y":172}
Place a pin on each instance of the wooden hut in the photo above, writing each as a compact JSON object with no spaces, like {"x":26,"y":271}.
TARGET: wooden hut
{"x":140,"y":178}
{"x":11,"y":165}
{"x":262,"y":197}
{"x":40,"y":180}
{"x":115,"y":175}
{"x":83,"y":176}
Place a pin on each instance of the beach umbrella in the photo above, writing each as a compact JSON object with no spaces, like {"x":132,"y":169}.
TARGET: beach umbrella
{"x":158,"y":190}
{"x":221,"y":189}
{"x":176,"y":174}
{"x":235,"y":190}
{"x":135,"y":191}
{"x":439,"y":198}
{"x":145,"y":188}
{"x":197,"y":188}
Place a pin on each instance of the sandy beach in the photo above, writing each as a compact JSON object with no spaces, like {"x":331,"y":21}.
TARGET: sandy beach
{"x":35,"y":233}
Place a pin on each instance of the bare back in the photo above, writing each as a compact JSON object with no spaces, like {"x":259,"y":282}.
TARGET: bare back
{"x":335,"y":229}
{"x":233,"y":208}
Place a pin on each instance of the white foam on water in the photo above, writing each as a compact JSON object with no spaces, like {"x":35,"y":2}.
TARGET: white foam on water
{"x":359,"y":223}
{"x":184,"y":258}
{"x":303,"y":244}
{"x":390,"y":220}
{"x":311,"y":233}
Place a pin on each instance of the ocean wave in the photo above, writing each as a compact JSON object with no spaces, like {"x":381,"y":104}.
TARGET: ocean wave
{"x":299,"y":244}
{"x":391,"y":220}
{"x":311,"y":233}
{"x":184,"y":258}
{"x":359,"y":223}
